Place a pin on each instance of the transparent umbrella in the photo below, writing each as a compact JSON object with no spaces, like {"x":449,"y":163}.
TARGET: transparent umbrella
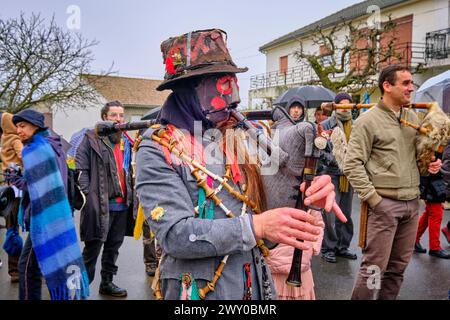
{"x":436,"y":89}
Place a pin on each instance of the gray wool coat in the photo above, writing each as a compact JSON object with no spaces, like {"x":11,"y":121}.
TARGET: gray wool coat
{"x":282,"y":188}
{"x":192,"y":245}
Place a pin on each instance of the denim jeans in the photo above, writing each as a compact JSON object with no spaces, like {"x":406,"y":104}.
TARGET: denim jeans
{"x":30,"y":276}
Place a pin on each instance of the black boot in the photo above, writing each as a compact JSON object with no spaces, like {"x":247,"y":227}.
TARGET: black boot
{"x":150,"y":269}
{"x":439,"y":254}
{"x":107,"y":287}
{"x":419,"y":249}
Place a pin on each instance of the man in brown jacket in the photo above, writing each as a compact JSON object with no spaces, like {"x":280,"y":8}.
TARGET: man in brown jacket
{"x":381,"y":166}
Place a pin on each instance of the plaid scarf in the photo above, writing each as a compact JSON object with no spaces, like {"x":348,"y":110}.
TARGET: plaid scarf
{"x":52,"y":229}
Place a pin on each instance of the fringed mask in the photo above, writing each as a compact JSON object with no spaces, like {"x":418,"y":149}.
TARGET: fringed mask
{"x":217,"y":94}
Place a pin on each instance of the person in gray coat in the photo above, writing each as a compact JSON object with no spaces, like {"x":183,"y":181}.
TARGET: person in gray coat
{"x":211,"y":249}
{"x":294,"y":139}
{"x":338,"y":236}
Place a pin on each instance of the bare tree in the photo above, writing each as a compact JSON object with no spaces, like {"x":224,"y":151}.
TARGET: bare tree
{"x":40,"y":63}
{"x":352,"y":55}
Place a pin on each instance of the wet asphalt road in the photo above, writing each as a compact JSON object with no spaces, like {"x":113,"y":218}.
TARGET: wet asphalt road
{"x":427,"y":278}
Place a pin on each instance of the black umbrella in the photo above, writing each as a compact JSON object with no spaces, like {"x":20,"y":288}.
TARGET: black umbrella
{"x":152,"y":114}
{"x":307,"y":96}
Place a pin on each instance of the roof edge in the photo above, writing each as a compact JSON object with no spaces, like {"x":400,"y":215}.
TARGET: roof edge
{"x":292,"y":36}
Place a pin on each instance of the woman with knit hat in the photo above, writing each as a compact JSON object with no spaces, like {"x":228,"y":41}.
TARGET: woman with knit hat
{"x":337,"y":235}
{"x":51,"y":249}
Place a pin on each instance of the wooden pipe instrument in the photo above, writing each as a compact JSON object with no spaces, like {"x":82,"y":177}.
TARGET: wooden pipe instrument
{"x":294,"y":278}
{"x":329,"y":107}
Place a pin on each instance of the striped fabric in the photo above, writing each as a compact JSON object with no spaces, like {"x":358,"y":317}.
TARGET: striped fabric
{"x":128,"y":147}
{"x":75,"y":142}
{"x":52,"y":229}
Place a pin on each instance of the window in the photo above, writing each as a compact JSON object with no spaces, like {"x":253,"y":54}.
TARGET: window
{"x":284,"y":64}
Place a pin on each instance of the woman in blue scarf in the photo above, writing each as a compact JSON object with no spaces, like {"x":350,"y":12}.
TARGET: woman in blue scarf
{"x":51,"y":249}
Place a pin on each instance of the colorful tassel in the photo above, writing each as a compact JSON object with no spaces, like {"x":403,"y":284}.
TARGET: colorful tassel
{"x":205,"y":207}
{"x":188,"y":288}
{"x":127,"y":150}
{"x":247,"y":282}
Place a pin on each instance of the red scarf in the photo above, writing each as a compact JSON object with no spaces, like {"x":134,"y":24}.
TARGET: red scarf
{"x":118,"y":156}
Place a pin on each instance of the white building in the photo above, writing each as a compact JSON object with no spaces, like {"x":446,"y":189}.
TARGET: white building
{"x":422,"y":31}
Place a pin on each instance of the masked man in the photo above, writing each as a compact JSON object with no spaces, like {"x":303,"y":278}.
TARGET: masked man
{"x":197,"y":197}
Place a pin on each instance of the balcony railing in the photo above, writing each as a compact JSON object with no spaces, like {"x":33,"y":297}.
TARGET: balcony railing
{"x":438,"y":44}
{"x":411,"y":54}
{"x":301,"y":74}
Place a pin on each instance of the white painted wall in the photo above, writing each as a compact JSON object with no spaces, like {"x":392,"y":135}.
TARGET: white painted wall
{"x":429,"y":15}
{"x":68,"y":121}
{"x":273,"y":56}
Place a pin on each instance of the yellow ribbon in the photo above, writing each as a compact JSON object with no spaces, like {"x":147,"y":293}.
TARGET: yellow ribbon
{"x":343,"y":181}
{"x":343,"y":184}
{"x":137,"y":233}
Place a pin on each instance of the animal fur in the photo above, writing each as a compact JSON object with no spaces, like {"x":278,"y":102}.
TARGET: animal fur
{"x":339,"y":142}
{"x":438,"y":125}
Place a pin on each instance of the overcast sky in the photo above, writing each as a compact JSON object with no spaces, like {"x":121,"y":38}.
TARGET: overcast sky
{"x":130,"y":32}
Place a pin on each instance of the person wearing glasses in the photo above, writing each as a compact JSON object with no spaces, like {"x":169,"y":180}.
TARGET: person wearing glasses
{"x":105,"y":177}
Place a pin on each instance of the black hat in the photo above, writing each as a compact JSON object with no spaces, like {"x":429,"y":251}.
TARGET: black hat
{"x":31,"y":116}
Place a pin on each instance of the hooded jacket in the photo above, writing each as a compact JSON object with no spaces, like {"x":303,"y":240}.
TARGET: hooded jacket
{"x":11,"y":144}
{"x":281,"y":120}
{"x":295,"y":141}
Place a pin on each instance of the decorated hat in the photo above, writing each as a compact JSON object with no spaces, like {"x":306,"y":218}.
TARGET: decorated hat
{"x":196,"y":53}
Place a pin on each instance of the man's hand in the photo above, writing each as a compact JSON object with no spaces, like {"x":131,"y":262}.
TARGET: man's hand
{"x":435,"y":166}
{"x":322,"y":195}
{"x":286,"y":225}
